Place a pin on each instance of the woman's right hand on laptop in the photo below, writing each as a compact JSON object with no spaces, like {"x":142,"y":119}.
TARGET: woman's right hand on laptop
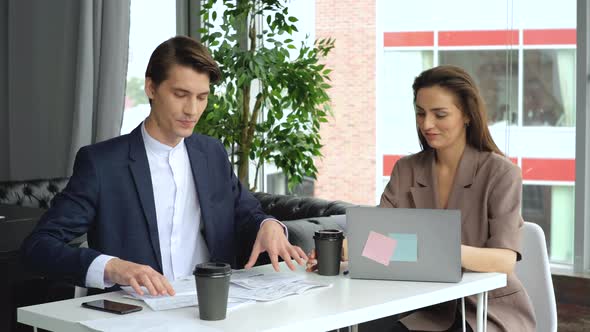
{"x":312,"y":263}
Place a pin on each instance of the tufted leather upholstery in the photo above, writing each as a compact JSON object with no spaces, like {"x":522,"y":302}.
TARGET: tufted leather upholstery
{"x":39,"y":193}
{"x":286,"y":208}
{"x":31,"y":193}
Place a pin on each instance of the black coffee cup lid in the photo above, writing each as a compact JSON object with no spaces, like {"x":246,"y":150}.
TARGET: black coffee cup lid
{"x":212,"y":268}
{"x":329,"y":234}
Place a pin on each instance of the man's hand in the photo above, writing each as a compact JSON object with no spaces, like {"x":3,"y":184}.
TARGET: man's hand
{"x":135,"y":275}
{"x":271,"y":238}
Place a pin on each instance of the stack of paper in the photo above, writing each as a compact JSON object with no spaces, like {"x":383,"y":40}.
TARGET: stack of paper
{"x":186,"y":296}
{"x":268,"y":286}
{"x":245,"y":287}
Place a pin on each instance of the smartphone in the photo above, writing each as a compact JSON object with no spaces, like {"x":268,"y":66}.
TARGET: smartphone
{"x":111,"y":306}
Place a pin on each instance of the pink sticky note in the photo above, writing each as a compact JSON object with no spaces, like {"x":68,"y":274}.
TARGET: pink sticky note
{"x":379,"y":248}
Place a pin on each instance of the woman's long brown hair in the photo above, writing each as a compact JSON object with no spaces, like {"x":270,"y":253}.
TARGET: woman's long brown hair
{"x":462,"y":85}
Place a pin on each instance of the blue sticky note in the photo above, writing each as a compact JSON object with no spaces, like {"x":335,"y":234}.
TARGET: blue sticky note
{"x":406,"y":249}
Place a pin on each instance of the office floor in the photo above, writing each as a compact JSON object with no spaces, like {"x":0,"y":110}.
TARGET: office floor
{"x":573,"y":303}
{"x":571,"y":317}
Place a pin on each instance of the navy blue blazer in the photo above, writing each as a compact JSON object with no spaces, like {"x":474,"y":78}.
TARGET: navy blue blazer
{"x":110,"y":197}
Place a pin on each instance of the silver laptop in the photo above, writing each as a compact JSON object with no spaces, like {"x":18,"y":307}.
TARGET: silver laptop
{"x":404,"y":244}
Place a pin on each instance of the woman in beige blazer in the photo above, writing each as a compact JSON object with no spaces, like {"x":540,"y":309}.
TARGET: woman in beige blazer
{"x":460,"y":167}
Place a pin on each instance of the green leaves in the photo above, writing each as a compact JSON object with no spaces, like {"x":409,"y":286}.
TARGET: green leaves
{"x":280,"y":123}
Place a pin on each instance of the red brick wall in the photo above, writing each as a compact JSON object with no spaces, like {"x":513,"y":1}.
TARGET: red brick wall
{"x":347,"y":170}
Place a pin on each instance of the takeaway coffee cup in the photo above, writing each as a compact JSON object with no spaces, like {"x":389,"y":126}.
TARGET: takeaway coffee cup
{"x":212,"y":281}
{"x":328,"y":247}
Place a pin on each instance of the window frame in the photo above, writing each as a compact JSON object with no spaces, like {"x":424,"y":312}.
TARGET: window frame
{"x":582,"y":190}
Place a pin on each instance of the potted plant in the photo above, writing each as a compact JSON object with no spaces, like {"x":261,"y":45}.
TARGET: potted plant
{"x":273,"y":95}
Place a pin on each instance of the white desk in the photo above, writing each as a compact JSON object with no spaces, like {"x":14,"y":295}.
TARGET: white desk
{"x":347,"y":303}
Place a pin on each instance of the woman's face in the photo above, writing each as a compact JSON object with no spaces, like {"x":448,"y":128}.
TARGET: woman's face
{"x":439,"y":119}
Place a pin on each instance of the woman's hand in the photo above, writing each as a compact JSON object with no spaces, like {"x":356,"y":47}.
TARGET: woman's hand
{"x":312,"y":263}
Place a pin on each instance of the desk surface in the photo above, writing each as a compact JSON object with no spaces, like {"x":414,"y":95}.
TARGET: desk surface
{"x":347,"y":302}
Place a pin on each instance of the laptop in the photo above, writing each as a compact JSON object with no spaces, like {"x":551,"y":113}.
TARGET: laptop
{"x":404,"y":244}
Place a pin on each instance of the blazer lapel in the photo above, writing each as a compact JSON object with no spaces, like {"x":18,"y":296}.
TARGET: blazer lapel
{"x":424,"y":190}
{"x":200,"y":169}
{"x":140,"y":170}
{"x":464,"y":178}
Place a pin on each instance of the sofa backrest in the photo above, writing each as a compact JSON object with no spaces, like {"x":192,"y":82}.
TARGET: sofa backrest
{"x":31,"y":193}
{"x":39,"y":193}
{"x":284,"y":207}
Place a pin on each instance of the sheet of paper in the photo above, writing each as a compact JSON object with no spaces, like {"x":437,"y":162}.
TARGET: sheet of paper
{"x":172,"y":302}
{"x":274,"y":292}
{"x":182,"y":286}
{"x":379,"y":248}
{"x":166,"y":303}
{"x":253,"y":280}
{"x":407,"y":247}
{"x":186,"y":295}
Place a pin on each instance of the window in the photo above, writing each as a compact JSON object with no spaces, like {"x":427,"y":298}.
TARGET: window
{"x":496,"y":75}
{"x":552,"y":208}
{"x":549,"y":87}
{"x":152,"y":22}
{"x":276,"y":183}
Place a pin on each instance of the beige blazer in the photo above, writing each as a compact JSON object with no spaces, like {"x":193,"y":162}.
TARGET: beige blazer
{"x":487,"y":189}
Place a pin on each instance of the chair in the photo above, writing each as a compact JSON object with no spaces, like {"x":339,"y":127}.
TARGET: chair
{"x":533,"y":270}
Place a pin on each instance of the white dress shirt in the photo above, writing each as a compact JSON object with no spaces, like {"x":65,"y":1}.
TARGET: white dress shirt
{"x":178,"y":211}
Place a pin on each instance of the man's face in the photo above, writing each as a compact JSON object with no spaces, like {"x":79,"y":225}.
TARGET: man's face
{"x":177,"y":104}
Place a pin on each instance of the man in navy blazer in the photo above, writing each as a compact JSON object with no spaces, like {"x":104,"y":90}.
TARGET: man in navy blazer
{"x":159,"y":200}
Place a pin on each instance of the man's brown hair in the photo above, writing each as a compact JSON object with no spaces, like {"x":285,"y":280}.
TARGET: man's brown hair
{"x":184,"y":51}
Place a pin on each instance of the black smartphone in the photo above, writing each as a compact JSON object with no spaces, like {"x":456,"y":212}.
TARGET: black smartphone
{"x":111,"y":306}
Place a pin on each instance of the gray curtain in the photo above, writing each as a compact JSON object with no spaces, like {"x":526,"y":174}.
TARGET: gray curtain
{"x":63,"y":66}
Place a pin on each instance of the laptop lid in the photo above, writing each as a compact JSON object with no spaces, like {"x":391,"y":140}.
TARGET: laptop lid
{"x":404,"y":244}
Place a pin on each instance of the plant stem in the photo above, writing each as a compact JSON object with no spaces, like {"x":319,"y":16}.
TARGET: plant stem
{"x":245,"y":146}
